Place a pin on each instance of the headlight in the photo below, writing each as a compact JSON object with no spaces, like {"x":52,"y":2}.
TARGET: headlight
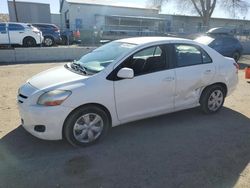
{"x":53,"y":98}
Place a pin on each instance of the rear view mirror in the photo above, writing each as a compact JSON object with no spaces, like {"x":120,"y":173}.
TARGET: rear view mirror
{"x":126,"y":73}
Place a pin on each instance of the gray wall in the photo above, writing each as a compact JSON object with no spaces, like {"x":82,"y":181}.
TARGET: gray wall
{"x":56,"y":19}
{"x":87,"y":12}
{"x":30,"y":12}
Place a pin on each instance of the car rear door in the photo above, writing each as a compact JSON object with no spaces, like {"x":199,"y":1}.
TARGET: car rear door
{"x":3,"y":34}
{"x":17,"y":33}
{"x":194,"y":70}
{"x":151,"y":91}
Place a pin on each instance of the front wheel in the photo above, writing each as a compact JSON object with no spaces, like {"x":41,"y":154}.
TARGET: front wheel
{"x":212,"y":99}
{"x":29,"y":42}
{"x":86,"y":126}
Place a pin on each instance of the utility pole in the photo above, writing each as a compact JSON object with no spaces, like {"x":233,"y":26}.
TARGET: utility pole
{"x":15,"y":10}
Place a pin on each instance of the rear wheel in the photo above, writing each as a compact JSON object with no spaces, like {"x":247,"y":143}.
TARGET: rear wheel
{"x":29,"y":42}
{"x":86,"y":125}
{"x":212,"y":99}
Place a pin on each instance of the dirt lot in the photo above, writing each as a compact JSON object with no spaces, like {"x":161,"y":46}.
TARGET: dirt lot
{"x":183,"y":149}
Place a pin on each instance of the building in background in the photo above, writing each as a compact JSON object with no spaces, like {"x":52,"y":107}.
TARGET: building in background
{"x":193,"y":24}
{"x":56,"y":19}
{"x":110,"y":19}
{"x":29,"y":12}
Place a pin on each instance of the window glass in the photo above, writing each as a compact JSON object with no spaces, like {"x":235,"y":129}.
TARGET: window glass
{"x":217,"y":42}
{"x":101,"y":57}
{"x":147,"y":61}
{"x":2,"y":27}
{"x":205,"y":57}
{"x":15,"y":27}
{"x":144,"y":54}
{"x":188,"y":55}
{"x":229,"y":41}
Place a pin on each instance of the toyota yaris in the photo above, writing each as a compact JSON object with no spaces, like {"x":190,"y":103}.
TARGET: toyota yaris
{"x":123,"y":81}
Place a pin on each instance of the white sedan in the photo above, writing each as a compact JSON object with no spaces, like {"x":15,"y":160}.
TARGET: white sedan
{"x":124,"y":81}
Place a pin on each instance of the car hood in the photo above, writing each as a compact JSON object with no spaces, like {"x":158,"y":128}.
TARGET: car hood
{"x":58,"y":76}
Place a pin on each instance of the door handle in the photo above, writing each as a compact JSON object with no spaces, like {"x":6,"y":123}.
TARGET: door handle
{"x":21,"y":32}
{"x":168,"y":79}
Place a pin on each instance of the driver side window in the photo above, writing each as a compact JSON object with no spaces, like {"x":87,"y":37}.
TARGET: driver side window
{"x":148,"y":60}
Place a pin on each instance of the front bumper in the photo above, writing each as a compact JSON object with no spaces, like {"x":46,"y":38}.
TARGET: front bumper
{"x":33,"y":115}
{"x":50,"y":117}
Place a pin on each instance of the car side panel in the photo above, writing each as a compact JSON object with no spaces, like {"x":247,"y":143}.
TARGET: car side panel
{"x":96,"y":90}
{"x":190,"y":81}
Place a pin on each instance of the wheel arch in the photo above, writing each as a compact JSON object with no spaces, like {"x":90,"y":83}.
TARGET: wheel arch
{"x":49,"y":36}
{"x":105,"y":109}
{"x":28,"y":37}
{"x":223,"y":85}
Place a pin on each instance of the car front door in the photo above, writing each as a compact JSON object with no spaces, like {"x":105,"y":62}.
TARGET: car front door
{"x":151,"y":91}
{"x":3,"y":34}
{"x":194,"y":70}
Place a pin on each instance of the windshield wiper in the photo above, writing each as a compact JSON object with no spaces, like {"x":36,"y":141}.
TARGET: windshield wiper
{"x":77,"y":67}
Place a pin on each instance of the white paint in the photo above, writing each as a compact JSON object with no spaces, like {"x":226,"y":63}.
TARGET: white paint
{"x":129,"y":99}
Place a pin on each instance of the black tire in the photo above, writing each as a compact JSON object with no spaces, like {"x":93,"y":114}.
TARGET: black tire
{"x":236,"y":56}
{"x":29,"y":42}
{"x":75,"y":116}
{"x":206,"y":98}
{"x":64,"y":40}
{"x":48,"y":41}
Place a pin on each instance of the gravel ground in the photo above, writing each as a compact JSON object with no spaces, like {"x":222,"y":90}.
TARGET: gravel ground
{"x":183,"y":149}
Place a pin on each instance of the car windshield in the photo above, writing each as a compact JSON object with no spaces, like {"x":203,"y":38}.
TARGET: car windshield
{"x":101,"y":57}
{"x":205,"y":40}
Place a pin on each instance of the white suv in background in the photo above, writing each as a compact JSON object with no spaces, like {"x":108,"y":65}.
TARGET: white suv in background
{"x":20,"y":33}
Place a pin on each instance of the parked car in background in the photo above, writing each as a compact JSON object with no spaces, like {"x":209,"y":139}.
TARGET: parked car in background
{"x":19,"y":34}
{"x":67,"y":37}
{"x":222,"y":41}
{"x":51,"y":33}
{"x":70,"y":37}
{"x":123,"y":81}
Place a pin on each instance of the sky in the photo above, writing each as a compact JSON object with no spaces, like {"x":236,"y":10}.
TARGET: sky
{"x":168,"y":9}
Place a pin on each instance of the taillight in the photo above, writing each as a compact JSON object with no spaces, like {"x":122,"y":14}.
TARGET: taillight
{"x":237,"y":67}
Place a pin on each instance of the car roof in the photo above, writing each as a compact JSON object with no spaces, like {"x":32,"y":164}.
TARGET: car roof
{"x":15,"y":23}
{"x":220,"y":30}
{"x":43,"y":24}
{"x":145,"y":40}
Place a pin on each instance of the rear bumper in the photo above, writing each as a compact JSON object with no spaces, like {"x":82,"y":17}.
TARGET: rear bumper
{"x":233,"y":85}
{"x":39,"y":40}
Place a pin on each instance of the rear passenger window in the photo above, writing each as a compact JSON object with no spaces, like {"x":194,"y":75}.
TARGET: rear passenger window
{"x":15,"y":27}
{"x":205,"y":57}
{"x":187,"y":55}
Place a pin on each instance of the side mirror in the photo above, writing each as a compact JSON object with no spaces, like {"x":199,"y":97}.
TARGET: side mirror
{"x":126,"y":73}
